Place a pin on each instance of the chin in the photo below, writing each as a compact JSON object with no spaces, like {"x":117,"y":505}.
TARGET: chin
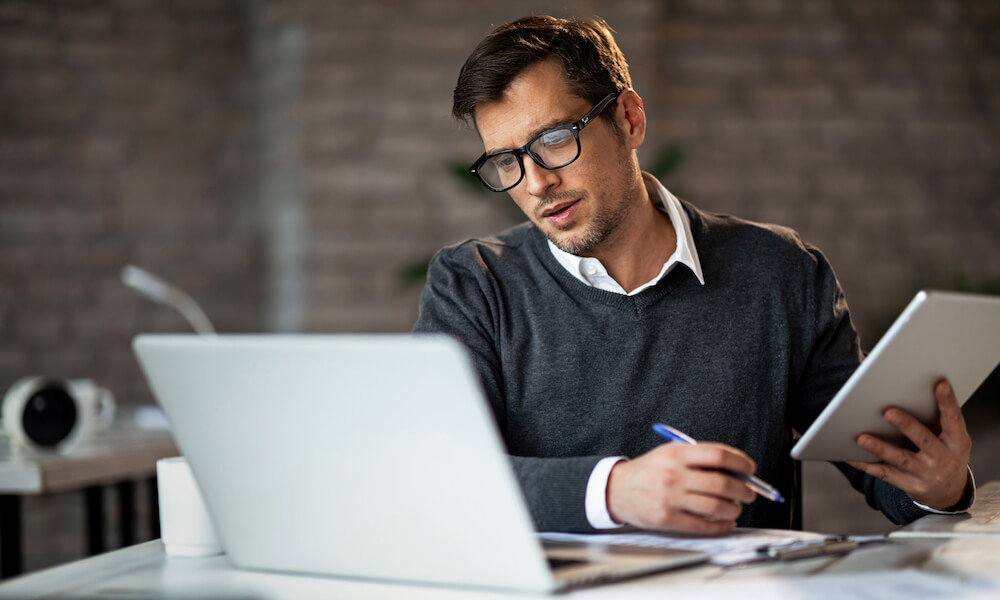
{"x":572,"y":245}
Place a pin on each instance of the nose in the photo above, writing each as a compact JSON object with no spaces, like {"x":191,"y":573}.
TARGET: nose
{"x":539,"y":181}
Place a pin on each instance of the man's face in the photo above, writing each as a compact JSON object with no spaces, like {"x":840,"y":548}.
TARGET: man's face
{"x":582,"y":205}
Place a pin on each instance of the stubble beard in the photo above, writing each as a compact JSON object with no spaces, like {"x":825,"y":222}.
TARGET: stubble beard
{"x":606,"y":220}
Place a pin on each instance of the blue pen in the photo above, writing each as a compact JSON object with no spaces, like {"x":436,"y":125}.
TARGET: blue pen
{"x":753,"y":482}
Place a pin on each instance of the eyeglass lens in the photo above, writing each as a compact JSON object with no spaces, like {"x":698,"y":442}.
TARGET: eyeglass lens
{"x":552,"y":149}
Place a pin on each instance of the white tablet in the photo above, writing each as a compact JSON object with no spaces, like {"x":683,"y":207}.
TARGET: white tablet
{"x":940,"y":335}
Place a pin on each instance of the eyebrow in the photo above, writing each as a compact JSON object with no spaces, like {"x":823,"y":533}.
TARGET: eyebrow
{"x":552,"y":124}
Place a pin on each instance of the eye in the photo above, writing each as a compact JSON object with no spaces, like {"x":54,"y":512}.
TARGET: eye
{"x":555,"y":138}
{"x":505,"y":162}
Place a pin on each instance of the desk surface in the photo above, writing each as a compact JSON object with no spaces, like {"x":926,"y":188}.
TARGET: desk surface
{"x":937,"y":568}
{"x":966,"y":567}
{"x":110,"y":455}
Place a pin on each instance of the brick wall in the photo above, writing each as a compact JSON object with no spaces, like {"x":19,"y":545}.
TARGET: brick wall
{"x":285,"y":161}
{"x":171,"y":135}
{"x":121,"y":134}
{"x":870,"y":127}
{"x":379,"y":142}
{"x":123,"y":129}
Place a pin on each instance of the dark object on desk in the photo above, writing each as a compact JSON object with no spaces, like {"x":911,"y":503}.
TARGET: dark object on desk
{"x":809,"y":549}
{"x":829,"y":546}
{"x":46,"y":414}
{"x":49,"y":415}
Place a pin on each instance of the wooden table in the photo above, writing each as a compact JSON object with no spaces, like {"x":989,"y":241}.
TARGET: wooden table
{"x":117,"y":457}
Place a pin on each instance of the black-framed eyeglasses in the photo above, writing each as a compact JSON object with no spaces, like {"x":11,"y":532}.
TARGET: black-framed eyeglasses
{"x":551,"y":149}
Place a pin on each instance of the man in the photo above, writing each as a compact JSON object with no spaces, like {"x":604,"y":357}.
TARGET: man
{"x":618,"y":305}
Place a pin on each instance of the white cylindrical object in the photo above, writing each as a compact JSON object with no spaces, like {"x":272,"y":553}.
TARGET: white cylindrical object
{"x":185,"y":526}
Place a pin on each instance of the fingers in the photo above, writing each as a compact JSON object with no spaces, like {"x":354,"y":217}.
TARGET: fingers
{"x":712,"y":507}
{"x":688,"y":511}
{"x":685,"y":522}
{"x":708,"y":455}
{"x":896,"y":466}
{"x":953,"y":441}
{"x":911,"y":471}
{"x":952,"y":420}
{"x":888,"y":453}
{"x":938,"y":488}
{"x":698,"y":470}
{"x":915,"y":431}
{"x":935,"y":474}
{"x":679,"y":487}
{"x":877,"y":470}
{"x":719,"y":485}
{"x":915,"y":487}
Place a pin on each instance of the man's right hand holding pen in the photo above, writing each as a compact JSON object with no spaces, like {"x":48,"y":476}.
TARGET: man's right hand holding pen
{"x":682,"y":487}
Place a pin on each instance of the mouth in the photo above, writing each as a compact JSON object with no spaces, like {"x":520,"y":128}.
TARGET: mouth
{"x":558,"y":209}
{"x":562,"y":215}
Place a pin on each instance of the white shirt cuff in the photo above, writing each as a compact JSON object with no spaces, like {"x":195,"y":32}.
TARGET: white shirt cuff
{"x":971,"y":481}
{"x":596,"y":499}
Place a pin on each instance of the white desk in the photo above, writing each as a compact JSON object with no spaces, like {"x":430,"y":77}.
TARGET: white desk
{"x":888,"y":571}
{"x":117,"y":456}
{"x":966,"y":567}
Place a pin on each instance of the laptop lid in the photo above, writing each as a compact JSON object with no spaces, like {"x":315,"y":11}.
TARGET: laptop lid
{"x":364,"y":456}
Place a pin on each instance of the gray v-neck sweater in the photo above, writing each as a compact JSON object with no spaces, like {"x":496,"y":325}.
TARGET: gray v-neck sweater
{"x":574,"y":373}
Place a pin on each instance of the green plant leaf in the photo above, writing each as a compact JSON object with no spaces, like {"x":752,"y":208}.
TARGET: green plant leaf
{"x":667,"y":161}
{"x":414,"y":273}
{"x":461,"y":172}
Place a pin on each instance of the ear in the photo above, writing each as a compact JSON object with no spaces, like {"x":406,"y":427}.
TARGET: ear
{"x":631,"y":118}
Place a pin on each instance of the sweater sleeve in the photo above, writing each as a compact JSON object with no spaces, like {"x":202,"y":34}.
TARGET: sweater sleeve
{"x":832,"y":356}
{"x":463,"y":300}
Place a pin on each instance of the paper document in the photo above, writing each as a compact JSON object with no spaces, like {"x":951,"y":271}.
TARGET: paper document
{"x":982,"y":519}
{"x":739,"y":546}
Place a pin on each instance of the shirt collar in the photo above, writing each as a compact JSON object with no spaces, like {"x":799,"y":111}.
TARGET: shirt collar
{"x":591,"y":272}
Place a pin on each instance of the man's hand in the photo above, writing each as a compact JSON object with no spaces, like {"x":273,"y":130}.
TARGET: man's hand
{"x":936,"y":474}
{"x":678,"y":487}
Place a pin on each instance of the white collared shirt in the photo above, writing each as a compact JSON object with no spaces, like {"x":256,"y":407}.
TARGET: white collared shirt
{"x":590,"y":270}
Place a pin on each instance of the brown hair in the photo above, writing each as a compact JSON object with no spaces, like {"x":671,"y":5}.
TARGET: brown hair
{"x":590,"y":59}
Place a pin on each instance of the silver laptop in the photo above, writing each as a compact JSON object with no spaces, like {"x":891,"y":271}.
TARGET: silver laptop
{"x":362,"y":456}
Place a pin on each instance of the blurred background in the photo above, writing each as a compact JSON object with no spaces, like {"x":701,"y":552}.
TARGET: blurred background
{"x":291,"y":164}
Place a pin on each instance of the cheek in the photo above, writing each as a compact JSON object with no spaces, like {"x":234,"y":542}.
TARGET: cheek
{"x":521,"y":201}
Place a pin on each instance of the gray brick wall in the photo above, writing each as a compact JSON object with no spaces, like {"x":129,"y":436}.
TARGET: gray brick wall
{"x":867,"y":126}
{"x":870,"y":127}
{"x":123,"y":136}
{"x":122,"y":128}
{"x":285,"y":161}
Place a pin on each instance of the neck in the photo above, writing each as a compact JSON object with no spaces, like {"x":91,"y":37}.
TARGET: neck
{"x":635,"y":253}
